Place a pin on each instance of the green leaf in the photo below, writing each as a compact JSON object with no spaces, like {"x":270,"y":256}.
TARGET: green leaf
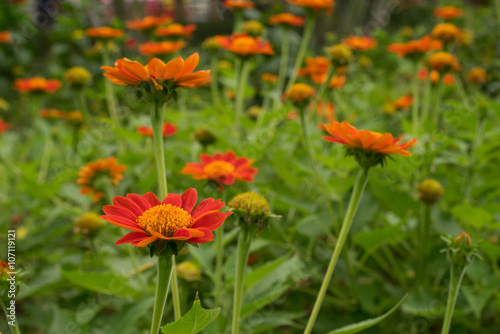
{"x":358,"y":327}
{"x":192,"y":322}
{"x":257,"y":275}
{"x":476,"y":217}
{"x":126,"y":321}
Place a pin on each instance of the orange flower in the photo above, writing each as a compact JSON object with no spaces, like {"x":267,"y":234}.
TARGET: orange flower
{"x":337,"y":82}
{"x":5,"y":37}
{"x":314,"y":4}
{"x":4,"y":269}
{"x":477,"y":75}
{"x":223,"y":169}
{"x":37,"y":85}
{"x":152,"y":49}
{"x":326,"y":111}
{"x":177,"y":73}
{"x":269,"y":77}
{"x":447,"y":32}
{"x":238,"y":4}
{"x":169,"y":129}
{"x":74,"y":116}
{"x":316,"y":68}
{"x":287,"y":19}
{"x":368,"y":148}
{"x":402,"y":103}
{"x":417,"y":47}
{"x":175,"y":218}
{"x":176,"y":30}
{"x":443,"y":61}
{"x":52,"y":113}
{"x":92,"y":171}
{"x":148,"y":22}
{"x":360,"y":43}
{"x":244,"y":45}
{"x":4,"y":126}
{"x":300,"y":93}
{"x":104,"y":32}
{"x":448,"y":12}
{"x":447,"y":78}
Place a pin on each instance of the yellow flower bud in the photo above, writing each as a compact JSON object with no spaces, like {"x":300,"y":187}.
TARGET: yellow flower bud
{"x":188,"y":271}
{"x":430,"y":191}
{"x":77,"y":75}
{"x":88,"y":222}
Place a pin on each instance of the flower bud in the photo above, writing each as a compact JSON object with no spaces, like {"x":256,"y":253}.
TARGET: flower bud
{"x":253,"y":28}
{"x":254,"y":112}
{"x":204,"y":137}
{"x":461,"y":251}
{"x":77,"y":76}
{"x":188,"y":271}
{"x":88,"y":222}
{"x":253,"y":208}
{"x":340,"y":54}
{"x":300,"y":94}
{"x":430,"y":191}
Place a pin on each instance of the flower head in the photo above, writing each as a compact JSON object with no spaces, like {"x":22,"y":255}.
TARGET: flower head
{"x":300,"y":94}
{"x":77,"y":76}
{"x":461,"y":251}
{"x":4,"y":269}
{"x":337,"y":82}
{"x":223,"y":169}
{"x":448,"y":12}
{"x":443,"y":62}
{"x":447,"y":32}
{"x":204,"y":137}
{"x":430,"y":191}
{"x":52,"y":113}
{"x":176,"y":30}
{"x":94,"y":175}
{"x":148,"y":22}
{"x":166,"y":224}
{"x":434,"y":77}
{"x":287,"y":19}
{"x":368,"y":148}
{"x":153,"y":49}
{"x":339,"y":54}
{"x":238,"y":4}
{"x":169,"y":129}
{"x":416,"y":48}
{"x":104,"y":32}
{"x":37,"y":85}
{"x":316,"y":68}
{"x":188,"y":271}
{"x":477,"y":75}
{"x":4,"y":105}
{"x":4,"y":126}
{"x":245,"y":45}
{"x":74,"y":116}
{"x":211,"y":44}
{"x":317,"y":5}
{"x":270,"y":78}
{"x":253,"y":28}
{"x":88,"y":222}
{"x":360,"y":43}
{"x":5,"y":37}
{"x":253,"y":208}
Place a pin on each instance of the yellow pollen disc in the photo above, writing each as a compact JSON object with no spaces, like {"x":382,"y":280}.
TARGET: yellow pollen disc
{"x":217,"y":169}
{"x":165,"y":219}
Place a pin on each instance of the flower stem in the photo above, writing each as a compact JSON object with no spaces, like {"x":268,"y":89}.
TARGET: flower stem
{"x":425,"y":221}
{"x":240,"y":96}
{"x":238,"y":20}
{"x":82,"y":105}
{"x":285,"y":47}
{"x":357,"y":192}
{"x":45,"y":162}
{"x":14,"y":329}
{"x":456,"y":277}
{"x":478,"y":135}
{"x":415,"y":105}
{"x":437,"y":101}
{"x":165,"y":269}
{"x":306,"y":37}
{"x":219,"y":252}
{"x":427,"y":99}
{"x":214,"y":83}
{"x":244,"y":240}
{"x":175,"y":291}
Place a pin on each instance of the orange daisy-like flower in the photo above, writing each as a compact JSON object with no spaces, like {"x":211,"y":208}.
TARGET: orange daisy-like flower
{"x":317,"y":5}
{"x":443,"y":61}
{"x":37,"y":85}
{"x":447,"y":32}
{"x":269,"y":77}
{"x":52,"y":113}
{"x":223,"y":169}
{"x":238,"y":4}
{"x":448,"y":12}
{"x":152,"y":49}
{"x":4,"y":126}
{"x":148,"y":22}
{"x":169,"y":129}
{"x":5,"y":37}
{"x":316,"y":68}
{"x":300,"y":94}
{"x":402,"y":103}
{"x":245,"y":45}
{"x":360,"y":43}
{"x":174,"y":219}
{"x":176,"y":73}
{"x":89,"y":174}
{"x":104,"y":32}
{"x":287,"y":19}
{"x":477,"y":75}
{"x":418,"y":47}
{"x":337,"y":82}
{"x":176,"y":30}
{"x":368,"y":147}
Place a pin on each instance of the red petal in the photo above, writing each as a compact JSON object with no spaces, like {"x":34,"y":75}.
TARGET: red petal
{"x":128,"y":204}
{"x":113,"y":210}
{"x":206,"y":205}
{"x":152,"y":199}
{"x":211,"y":220}
{"x":173,"y":199}
{"x":132,"y":237}
{"x":209,"y":236}
{"x":140,"y":201}
{"x":189,"y":199}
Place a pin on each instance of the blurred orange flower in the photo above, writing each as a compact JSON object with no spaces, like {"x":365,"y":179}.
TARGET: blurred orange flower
{"x":337,"y":82}
{"x":37,"y":85}
{"x":447,"y":78}
{"x":52,"y":113}
{"x":245,"y":45}
{"x":477,"y":75}
{"x":5,"y":37}
{"x":300,"y":93}
{"x":443,"y":61}
{"x":148,"y":22}
{"x":316,"y":68}
{"x":169,"y":129}
{"x":92,"y":171}
{"x":224,"y":169}
{"x":448,"y":12}
{"x":287,"y":19}
{"x":326,"y":111}
{"x":314,"y":4}
{"x":4,"y":126}
{"x":360,"y":43}
{"x":447,"y":32}
{"x":177,"y":72}
{"x":104,"y":32}
{"x":269,"y":77}
{"x":238,"y":4}
{"x":417,"y":47}
{"x":152,"y":49}
{"x":176,"y":30}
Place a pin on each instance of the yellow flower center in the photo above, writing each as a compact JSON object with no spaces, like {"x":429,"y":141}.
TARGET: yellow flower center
{"x":165,"y":219}
{"x":243,"y":45}
{"x":217,"y":169}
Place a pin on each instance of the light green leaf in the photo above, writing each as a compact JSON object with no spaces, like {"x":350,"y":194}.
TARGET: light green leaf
{"x":358,"y":327}
{"x":257,"y":275}
{"x":477,"y":217}
{"x":192,"y":322}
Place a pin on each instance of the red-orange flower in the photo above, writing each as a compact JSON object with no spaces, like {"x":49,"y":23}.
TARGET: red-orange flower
{"x":360,"y":43}
{"x":5,"y":37}
{"x":443,"y":61}
{"x":176,"y":72}
{"x":365,"y":140}
{"x":447,"y":78}
{"x":104,"y":32}
{"x":448,"y":12}
{"x":169,"y":129}
{"x":221,"y":168}
{"x":316,"y":68}
{"x":416,"y":47}
{"x":326,"y":111}
{"x":244,"y":45}
{"x":287,"y":19}
{"x":148,"y":22}
{"x":402,"y":103}
{"x":152,"y":49}
{"x":37,"y":85}
{"x":4,"y":126}
{"x":269,"y":77}
{"x":174,"y":219}
{"x":314,"y":4}
{"x":88,"y":175}
{"x":337,"y":82}
{"x":300,"y":93}
{"x":447,"y":32}
{"x":176,"y":30}
{"x":4,"y":269}
{"x":477,"y":75}
{"x":238,"y":4}
{"x":53,"y":113}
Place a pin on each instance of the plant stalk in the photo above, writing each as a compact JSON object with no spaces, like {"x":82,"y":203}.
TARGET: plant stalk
{"x":165,"y":270}
{"x":456,"y":277}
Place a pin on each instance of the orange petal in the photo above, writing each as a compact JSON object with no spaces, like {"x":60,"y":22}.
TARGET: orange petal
{"x":172,"y":68}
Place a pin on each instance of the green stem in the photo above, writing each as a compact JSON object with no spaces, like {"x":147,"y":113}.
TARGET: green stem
{"x":165,"y":270}
{"x":82,"y":105}
{"x":425,"y":221}
{"x":44,"y":164}
{"x":310,"y":19}
{"x":437,"y":101}
{"x":454,"y":287}
{"x":415,"y":104}
{"x":427,"y":98}
{"x":285,"y":47}
{"x":214,"y":85}
{"x":474,"y":145}
{"x":497,"y":9}
{"x":14,"y":329}
{"x":219,"y":257}
{"x":240,"y":96}
{"x":238,"y":20}
{"x":357,"y":192}
{"x":244,"y":240}
{"x":175,"y":291}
